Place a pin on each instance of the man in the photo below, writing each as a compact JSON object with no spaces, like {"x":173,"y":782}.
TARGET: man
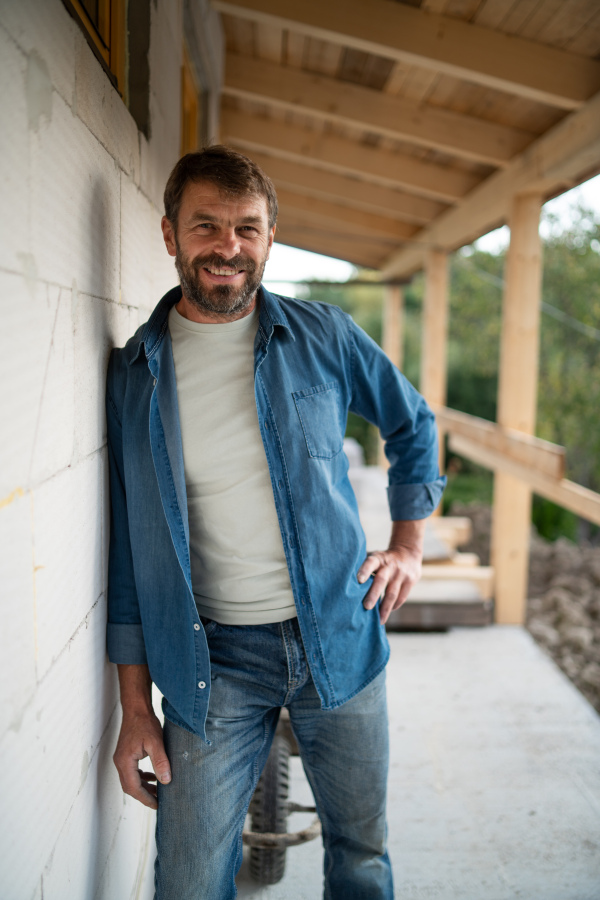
{"x":238,"y":581}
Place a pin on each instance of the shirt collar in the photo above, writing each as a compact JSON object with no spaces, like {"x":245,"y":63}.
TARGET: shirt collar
{"x":270,"y":314}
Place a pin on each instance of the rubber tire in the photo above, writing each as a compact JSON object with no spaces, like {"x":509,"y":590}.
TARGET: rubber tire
{"x":268,"y":812}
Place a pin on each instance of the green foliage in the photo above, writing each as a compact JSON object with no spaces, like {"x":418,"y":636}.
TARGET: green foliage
{"x":569,"y":392}
{"x":552,"y":521}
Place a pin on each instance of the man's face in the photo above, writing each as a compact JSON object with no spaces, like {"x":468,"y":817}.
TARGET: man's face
{"x":220,"y":247}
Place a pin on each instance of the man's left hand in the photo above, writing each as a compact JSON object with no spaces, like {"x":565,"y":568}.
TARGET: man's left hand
{"x":395,"y":570}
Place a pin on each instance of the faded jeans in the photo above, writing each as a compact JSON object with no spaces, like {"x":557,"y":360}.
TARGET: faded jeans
{"x":255,"y":670}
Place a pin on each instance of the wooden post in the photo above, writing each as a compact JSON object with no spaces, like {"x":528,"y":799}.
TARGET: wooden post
{"x":517,"y":400}
{"x":393,"y":324}
{"x":392,"y":339}
{"x":434,"y":341}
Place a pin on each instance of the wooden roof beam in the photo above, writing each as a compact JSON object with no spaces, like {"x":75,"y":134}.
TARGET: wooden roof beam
{"x":345,"y":218}
{"x":305,"y":179}
{"x":332,"y":100}
{"x":417,"y":37}
{"x":295,"y":233}
{"x":342,"y":155}
{"x":565,"y":156}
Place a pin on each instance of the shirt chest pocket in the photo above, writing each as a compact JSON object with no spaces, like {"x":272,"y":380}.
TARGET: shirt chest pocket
{"x":322,"y":420}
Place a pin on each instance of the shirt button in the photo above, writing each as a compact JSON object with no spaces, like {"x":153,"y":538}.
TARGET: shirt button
{"x":201,"y":685}
{"x":196,"y":627}
{"x":280,"y":484}
{"x":267,"y":424}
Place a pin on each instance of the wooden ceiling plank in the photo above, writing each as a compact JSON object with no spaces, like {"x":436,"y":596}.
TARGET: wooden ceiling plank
{"x":465,"y":50}
{"x":370,"y":223}
{"x":560,"y":159}
{"x":341,"y":228}
{"x":541,"y":15}
{"x":360,"y":194}
{"x":588,"y":40}
{"x":321,"y":239}
{"x":361,"y":107}
{"x":268,"y":43}
{"x":573,"y":16}
{"x":494,"y":13}
{"x":438,"y":182}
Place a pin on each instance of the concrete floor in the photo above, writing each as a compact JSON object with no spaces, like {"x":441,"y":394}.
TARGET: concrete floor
{"x":494,"y":782}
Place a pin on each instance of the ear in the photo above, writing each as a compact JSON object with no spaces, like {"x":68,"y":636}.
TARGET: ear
{"x":168,"y":236}
{"x":270,"y":240}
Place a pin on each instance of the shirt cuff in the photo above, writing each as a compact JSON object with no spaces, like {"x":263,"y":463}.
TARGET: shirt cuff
{"x":125,"y":644}
{"x":415,"y":501}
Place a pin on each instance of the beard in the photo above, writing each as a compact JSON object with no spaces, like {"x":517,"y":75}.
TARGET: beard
{"x":219,"y":299}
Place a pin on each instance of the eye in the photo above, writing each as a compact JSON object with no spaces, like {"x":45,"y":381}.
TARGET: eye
{"x":249,"y":229}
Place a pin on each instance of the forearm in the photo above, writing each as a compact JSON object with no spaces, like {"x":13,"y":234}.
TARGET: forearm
{"x":408,"y":535}
{"x":136,"y":689}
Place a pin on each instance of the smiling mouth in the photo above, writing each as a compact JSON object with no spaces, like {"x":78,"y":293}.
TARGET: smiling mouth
{"x":223,"y":271}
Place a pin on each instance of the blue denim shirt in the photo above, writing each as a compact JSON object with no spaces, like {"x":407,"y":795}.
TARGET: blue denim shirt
{"x":312,"y":365}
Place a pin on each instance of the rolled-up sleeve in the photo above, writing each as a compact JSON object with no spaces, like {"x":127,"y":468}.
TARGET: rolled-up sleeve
{"x":125,"y":638}
{"x":384,"y":397}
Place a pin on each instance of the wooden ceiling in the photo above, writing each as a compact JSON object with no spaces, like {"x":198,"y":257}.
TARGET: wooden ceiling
{"x":391,"y":126}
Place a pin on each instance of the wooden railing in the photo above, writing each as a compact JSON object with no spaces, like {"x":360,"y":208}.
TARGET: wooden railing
{"x":538,"y":463}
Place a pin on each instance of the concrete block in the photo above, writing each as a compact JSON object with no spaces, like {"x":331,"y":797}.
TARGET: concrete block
{"x":67,"y":534}
{"x":75,"y":199}
{"x":158,"y":155}
{"x":14,"y":153}
{"x":48,"y":29}
{"x":99,"y":105}
{"x":17,"y":608}
{"x":129,"y":870}
{"x":165,"y":58}
{"x":97,"y":327}
{"x":36,"y":367}
{"x":164,"y":274}
{"x":138,"y":219}
{"x":45,"y":761}
{"x":52,"y":449}
{"x":106,"y":839}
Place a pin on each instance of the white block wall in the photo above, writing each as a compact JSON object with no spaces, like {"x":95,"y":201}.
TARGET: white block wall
{"x":81,"y":265}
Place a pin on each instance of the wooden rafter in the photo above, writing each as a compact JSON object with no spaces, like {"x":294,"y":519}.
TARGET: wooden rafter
{"x":318,"y":238}
{"x":333,"y":100}
{"x":345,"y":217}
{"x":464,"y":50}
{"x":304,"y":178}
{"x":342,"y":155}
{"x":566,"y":155}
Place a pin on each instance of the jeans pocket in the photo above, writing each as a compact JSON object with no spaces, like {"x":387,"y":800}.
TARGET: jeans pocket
{"x":322,"y":419}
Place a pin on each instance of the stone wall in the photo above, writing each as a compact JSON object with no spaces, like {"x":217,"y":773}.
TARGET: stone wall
{"x":81,"y":264}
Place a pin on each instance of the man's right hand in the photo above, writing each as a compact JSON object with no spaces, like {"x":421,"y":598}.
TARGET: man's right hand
{"x":141,"y":736}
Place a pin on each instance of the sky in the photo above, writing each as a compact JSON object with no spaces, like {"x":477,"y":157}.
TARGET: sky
{"x":288,"y":265}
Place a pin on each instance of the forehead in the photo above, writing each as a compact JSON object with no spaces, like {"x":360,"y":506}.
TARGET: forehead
{"x":205,"y":197}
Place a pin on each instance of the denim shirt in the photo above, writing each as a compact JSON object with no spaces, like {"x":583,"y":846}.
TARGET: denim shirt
{"x":312,"y":365}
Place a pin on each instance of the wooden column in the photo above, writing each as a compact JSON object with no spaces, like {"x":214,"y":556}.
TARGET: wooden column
{"x":517,"y":401}
{"x":434,"y":340}
{"x":392,"y":338}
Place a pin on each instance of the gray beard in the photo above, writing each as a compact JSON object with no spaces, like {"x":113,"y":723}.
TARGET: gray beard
{"x":223,"y":299}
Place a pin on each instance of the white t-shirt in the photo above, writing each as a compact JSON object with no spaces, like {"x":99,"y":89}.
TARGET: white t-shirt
{"x":239,"y":570}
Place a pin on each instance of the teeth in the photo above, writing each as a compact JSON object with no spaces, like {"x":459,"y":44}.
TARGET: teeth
{"x":221,"y":271}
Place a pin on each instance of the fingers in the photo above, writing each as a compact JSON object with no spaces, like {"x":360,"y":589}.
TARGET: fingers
{"x":141,"y":737}
{"x":160,"y":763}
{"x":131,"y":782}
{"x":394,"y":599}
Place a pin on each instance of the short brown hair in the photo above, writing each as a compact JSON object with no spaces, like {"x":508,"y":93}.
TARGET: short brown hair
{"x":232,"y":172}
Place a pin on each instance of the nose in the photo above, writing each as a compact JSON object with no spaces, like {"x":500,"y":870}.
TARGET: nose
{"x":227,"y":243}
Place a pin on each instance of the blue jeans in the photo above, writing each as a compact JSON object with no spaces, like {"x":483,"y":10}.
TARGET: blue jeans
{"x":255,"y":670}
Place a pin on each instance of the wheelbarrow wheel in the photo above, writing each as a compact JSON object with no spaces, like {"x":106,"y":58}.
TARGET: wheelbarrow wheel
{"x":268,"y":812}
